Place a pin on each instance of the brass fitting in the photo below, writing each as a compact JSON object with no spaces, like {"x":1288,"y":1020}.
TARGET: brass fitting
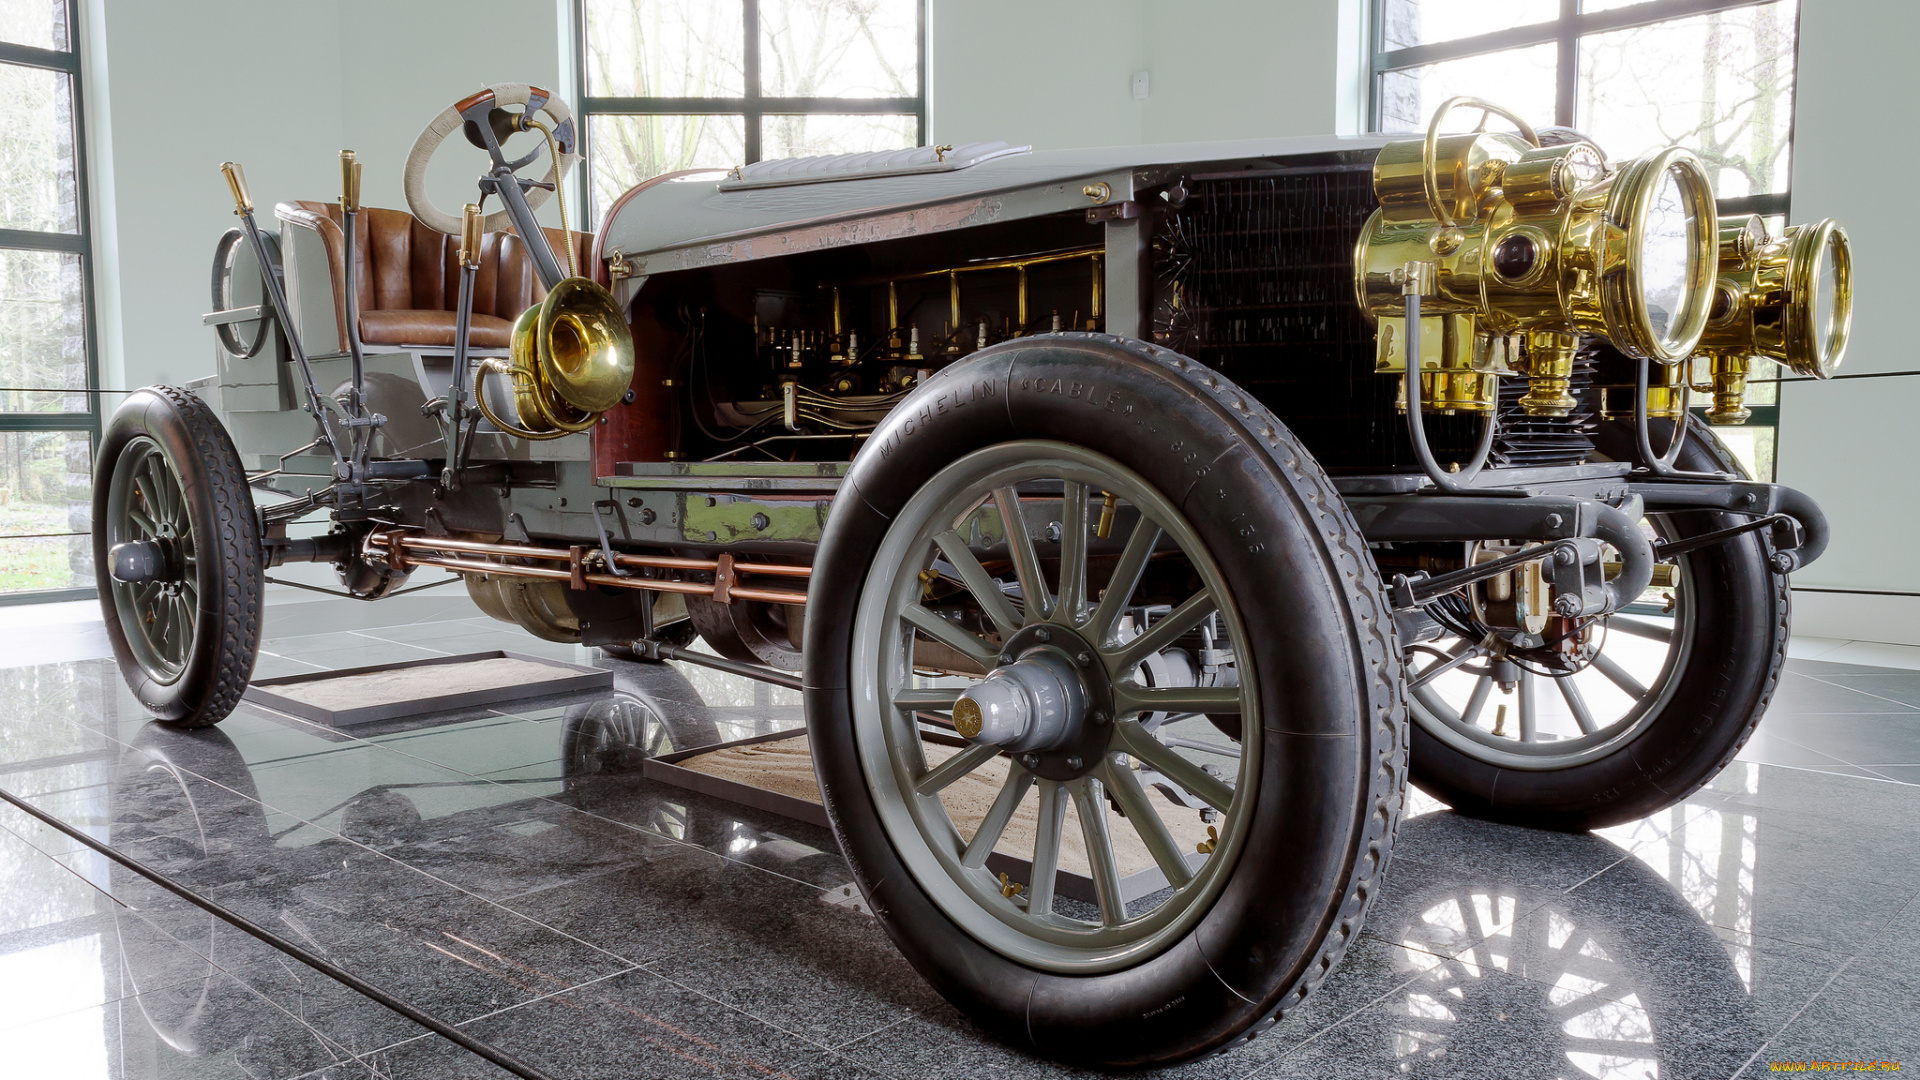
{"x":1729,"y":388}
{"x":1549,"y":373}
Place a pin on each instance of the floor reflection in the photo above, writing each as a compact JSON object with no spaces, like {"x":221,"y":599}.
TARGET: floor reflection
{"x":517,"y":871}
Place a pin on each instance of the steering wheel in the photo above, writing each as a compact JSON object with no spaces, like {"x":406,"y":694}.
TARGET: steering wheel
{"x":485,"y":119}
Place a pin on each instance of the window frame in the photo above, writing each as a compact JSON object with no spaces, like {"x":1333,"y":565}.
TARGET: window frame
{"x":752,"y":107}
{"x":79,"y":243}
{"x":1564,"y":31}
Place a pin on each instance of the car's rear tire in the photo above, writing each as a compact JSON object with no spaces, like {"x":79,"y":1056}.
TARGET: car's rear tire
{"x":1320,"y":779}
{"x":168,"y":473}
{"x":1726,"y":653}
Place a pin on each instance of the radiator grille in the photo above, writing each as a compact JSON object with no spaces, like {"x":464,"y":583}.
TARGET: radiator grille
{"x":1253,"y":277}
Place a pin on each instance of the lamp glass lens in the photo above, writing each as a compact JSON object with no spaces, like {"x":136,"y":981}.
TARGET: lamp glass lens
{"x":1666,"y":256}
{"x":1826,"y":298}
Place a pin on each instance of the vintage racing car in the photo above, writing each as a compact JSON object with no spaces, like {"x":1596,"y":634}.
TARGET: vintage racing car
{"x":1203,"y":494}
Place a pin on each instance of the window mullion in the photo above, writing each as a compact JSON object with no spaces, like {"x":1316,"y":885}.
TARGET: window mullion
{"x":750,"y":119}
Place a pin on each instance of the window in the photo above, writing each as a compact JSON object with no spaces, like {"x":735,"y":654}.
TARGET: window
{"x":1714,"y":76}
{"x":49,"y":410}
{"x":686,"y":84}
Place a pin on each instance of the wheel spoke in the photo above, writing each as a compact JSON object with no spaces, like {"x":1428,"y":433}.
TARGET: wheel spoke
{"x":1528,"y":725}
{"x":142,"y":521}
{"x":1026,"y":562}
{"x":1146,"y":822}
{"x":936,"y":780}
{"x":1090,"y":806}
{"x":1046,"y":848}
{"x":1131,"y":698}
{"x":929,"y":698}
{"x":184,"y":638}
{"x":986,"y":591}
{"x":950,"y":635}
{"x":1477,"y":700}
{"x":1126,"y":578}
{"x":1164,"y":632}
{"x":1619,"y":676}
{"x":1073,"y":553}
{"x":1650,"y":631}
{"x":144,"y":488}
{"x":1578,"y":704}
{"x":1201,"y":784}
{"x":994,"y":825}
{"x":190,"y":593}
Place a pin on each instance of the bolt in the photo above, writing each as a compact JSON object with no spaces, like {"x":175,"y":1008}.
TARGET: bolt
{"x":1085,"y":658}
{"x":1073,"y":762}
{"x":1567,"y":606}
{"x":1006,"y":658}
{"x":760,"y":521}
{"x":1553,"y":521}
{"x":1563,"y":556}
{"x":1053,"y":532}
{"x":1099,"y":716}
{"x":1043,"y":634}
{"x":647,"y":517}
{"x":1031,"y":761}
{"x":635,"y":503}
{"x":1749,"y":499}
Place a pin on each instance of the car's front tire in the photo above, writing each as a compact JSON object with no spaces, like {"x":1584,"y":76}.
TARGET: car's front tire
{"x":1304,"y":806}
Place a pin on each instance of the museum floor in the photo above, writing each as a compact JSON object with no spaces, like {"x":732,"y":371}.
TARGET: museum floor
{"x":513,"y":872}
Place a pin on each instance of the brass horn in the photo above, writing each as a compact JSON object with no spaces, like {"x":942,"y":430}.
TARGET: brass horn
{"x":572,"y":358}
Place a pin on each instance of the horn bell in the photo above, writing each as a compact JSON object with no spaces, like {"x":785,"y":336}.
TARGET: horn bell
{"x":585,"y":348}
{"x":571,"y":357}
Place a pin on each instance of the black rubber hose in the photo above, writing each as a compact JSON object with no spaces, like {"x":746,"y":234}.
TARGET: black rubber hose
{"x":340,"y":975}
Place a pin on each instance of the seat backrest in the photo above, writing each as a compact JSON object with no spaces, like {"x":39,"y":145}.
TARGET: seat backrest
{"x":402,"y":265}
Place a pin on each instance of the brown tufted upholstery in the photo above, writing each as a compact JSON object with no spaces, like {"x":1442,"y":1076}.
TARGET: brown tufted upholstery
{"x":408,"y":276}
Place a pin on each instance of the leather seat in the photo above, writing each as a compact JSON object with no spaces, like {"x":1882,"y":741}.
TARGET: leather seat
{"x":408,"y":276}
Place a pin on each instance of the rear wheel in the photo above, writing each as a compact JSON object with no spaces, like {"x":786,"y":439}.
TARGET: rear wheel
{"x":176,"y":552}
{"x":1040,"y":522}
{"x":1669,"y":692}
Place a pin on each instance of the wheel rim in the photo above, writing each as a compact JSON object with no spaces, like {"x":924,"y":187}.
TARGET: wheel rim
{"x":145,"y":501}
{"x":1562,"y":720}
{"x":1095,"y":637}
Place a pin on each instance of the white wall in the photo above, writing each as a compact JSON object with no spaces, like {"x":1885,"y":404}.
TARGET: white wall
{"x":1059,"y":75}
{"x":281,"y":86}
{"x":1852,"y":443}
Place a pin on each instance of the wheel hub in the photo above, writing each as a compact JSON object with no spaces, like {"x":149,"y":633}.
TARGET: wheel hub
{"x":138,"y":561}
{"x":1049,"y":703}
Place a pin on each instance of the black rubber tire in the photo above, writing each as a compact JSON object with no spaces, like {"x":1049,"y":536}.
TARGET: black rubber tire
{"x":1739,"y":650}
{"x":1333,"y":778}
{"x":226,"y":532}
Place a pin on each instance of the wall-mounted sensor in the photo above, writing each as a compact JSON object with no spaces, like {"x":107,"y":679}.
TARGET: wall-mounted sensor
{"x":1140,"y":86}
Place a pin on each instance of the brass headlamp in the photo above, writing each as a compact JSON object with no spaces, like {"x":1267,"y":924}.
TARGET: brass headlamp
{"x":1789,"y":299}
{"x":1532,"y":246}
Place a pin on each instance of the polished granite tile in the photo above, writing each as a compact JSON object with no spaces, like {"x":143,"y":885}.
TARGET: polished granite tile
{"x":1901,"y":688}
{"x":1863,"y":1017}
{"x":640,"y":1024}
{"x":1800,"y":694}
{"x":1864,"y":740}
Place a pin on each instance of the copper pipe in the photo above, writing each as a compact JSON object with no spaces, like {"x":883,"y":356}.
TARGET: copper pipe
{"x":535,"y":551}
{"x":471,"y":566}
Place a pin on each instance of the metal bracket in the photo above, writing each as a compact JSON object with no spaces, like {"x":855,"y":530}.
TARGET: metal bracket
{"x":1125,"y":210}
{"x":723,"y":579}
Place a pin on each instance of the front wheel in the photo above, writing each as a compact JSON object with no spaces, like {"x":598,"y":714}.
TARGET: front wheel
{"x":176,"y":554}
{"x":1668,"y":691}
{"x":1062,"y":843}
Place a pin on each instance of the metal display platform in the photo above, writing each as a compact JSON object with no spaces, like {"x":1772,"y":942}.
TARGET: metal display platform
{"x":365,"y":695}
